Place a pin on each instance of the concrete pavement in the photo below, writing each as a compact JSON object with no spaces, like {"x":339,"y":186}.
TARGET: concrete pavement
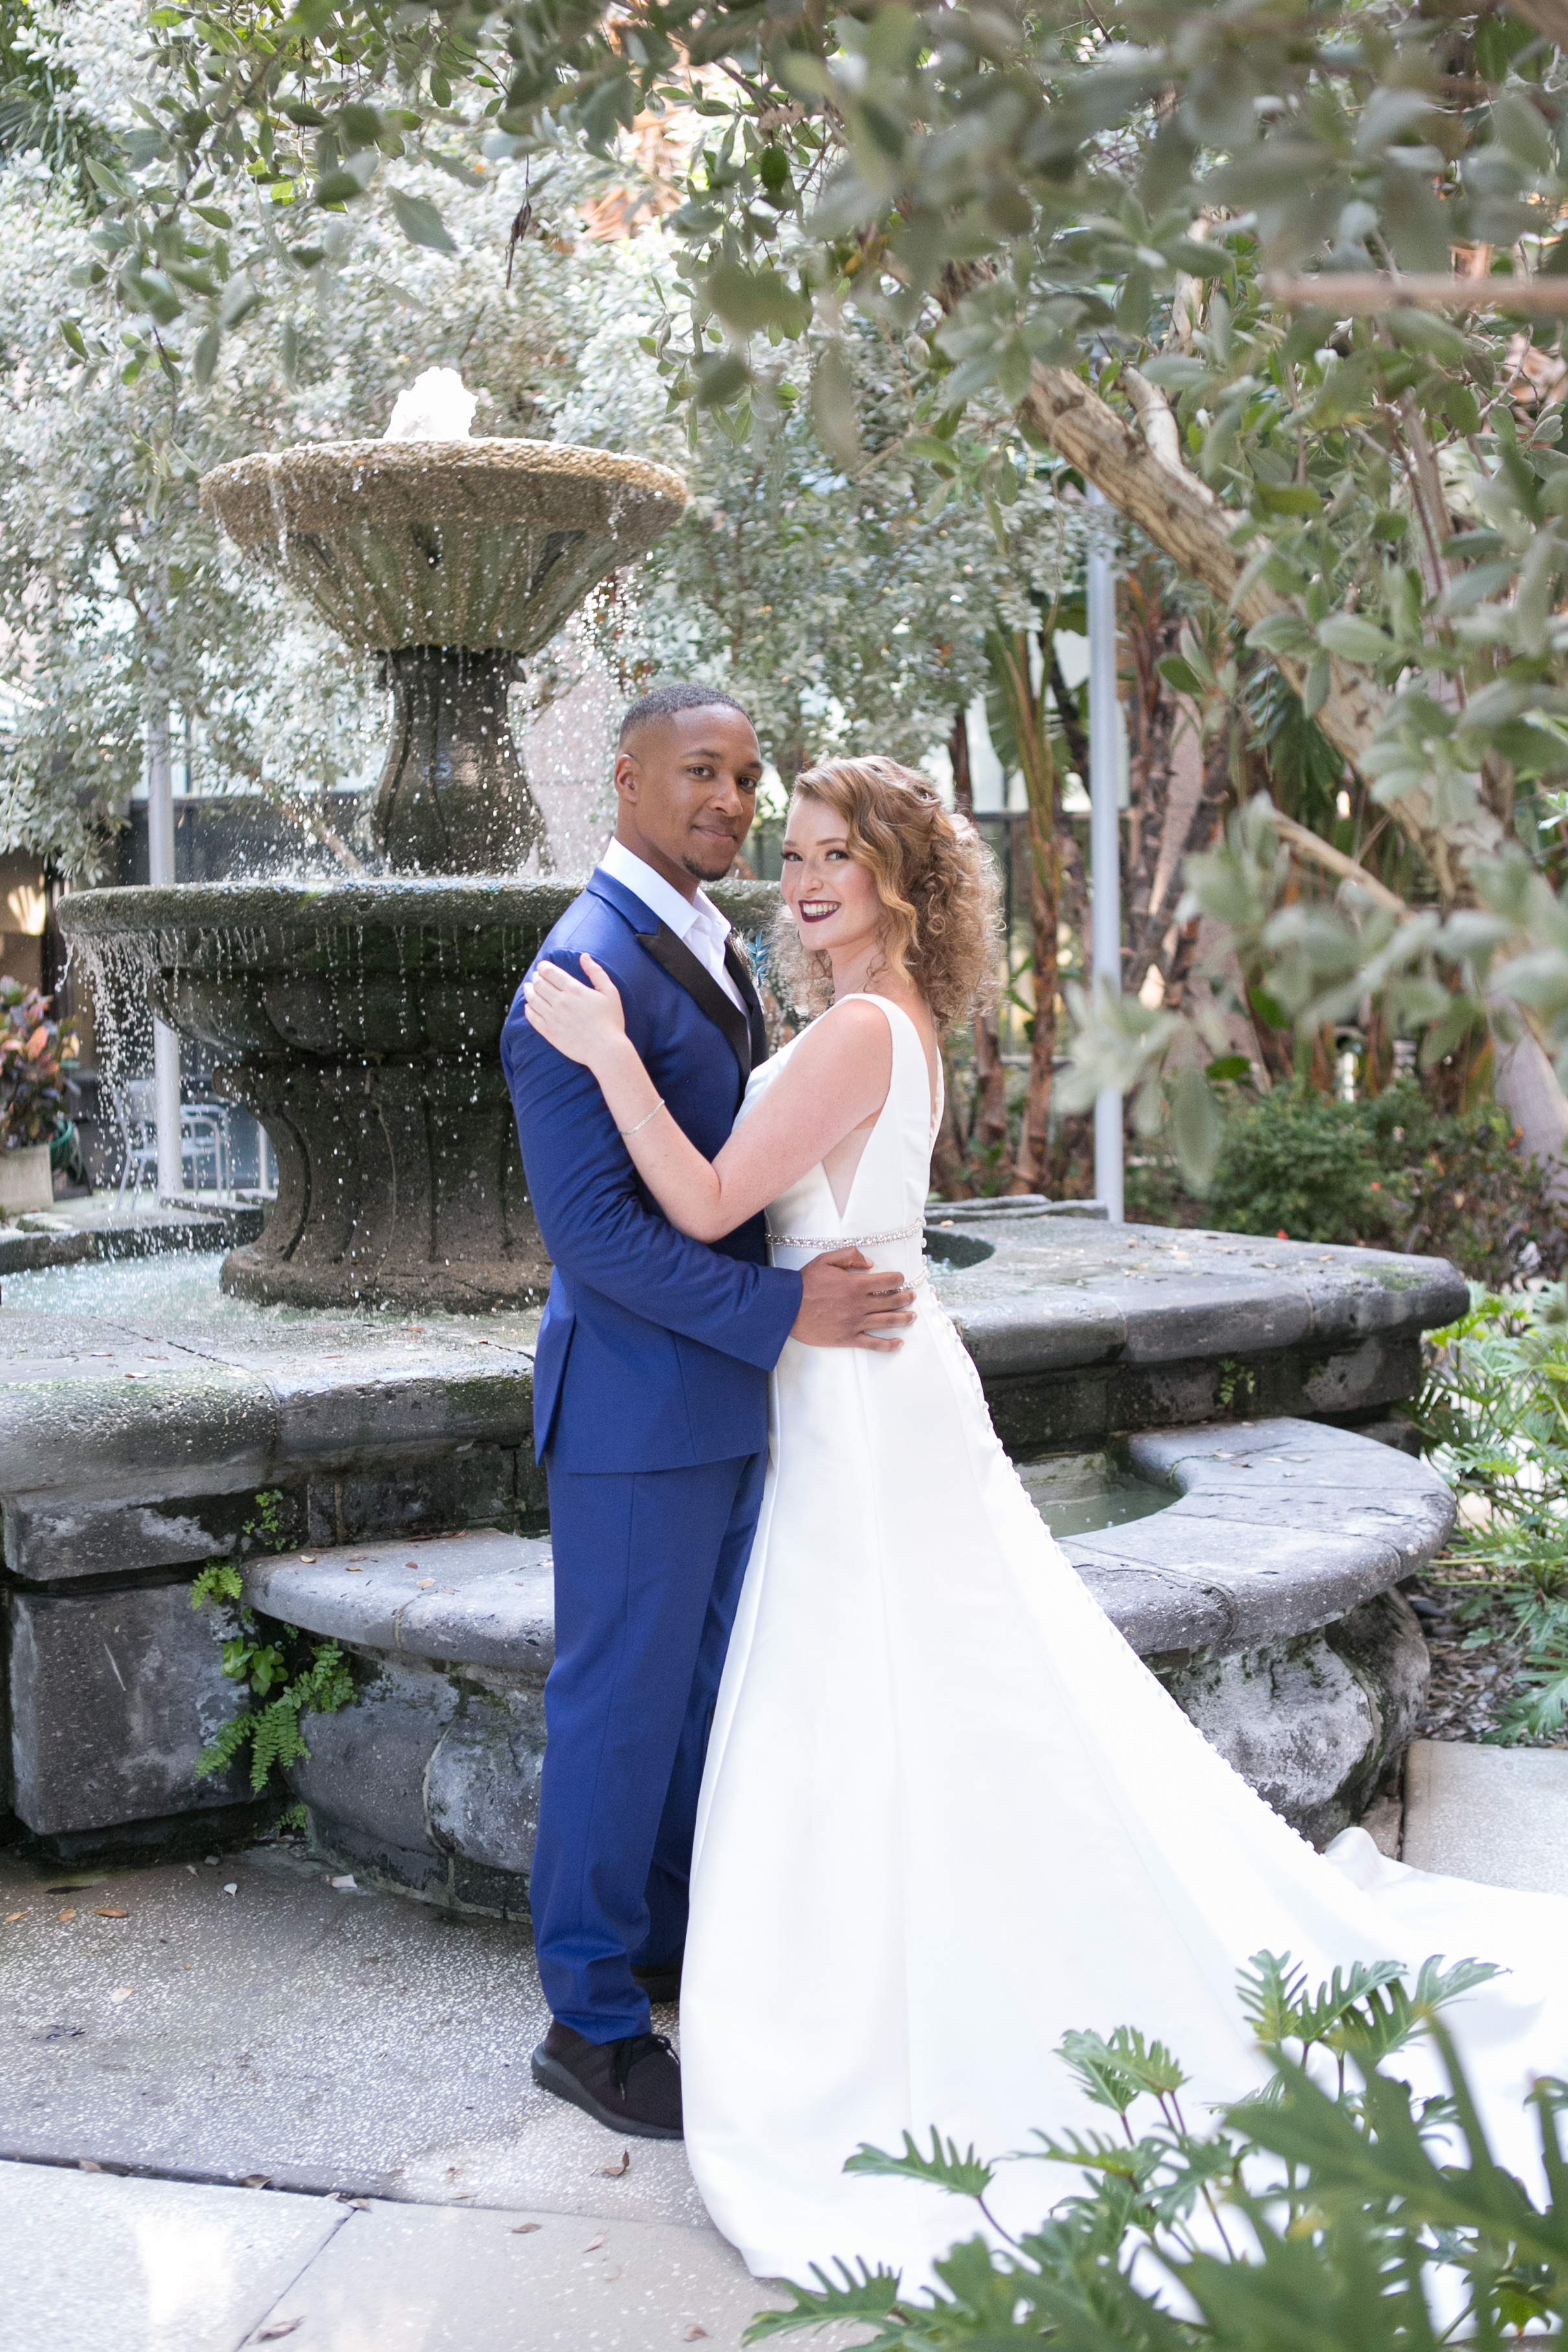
{"x":241,"y":2104}
{"x":360,"y":2061}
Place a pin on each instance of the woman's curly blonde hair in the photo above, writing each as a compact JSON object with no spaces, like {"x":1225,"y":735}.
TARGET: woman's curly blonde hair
{"x":939,"y":886}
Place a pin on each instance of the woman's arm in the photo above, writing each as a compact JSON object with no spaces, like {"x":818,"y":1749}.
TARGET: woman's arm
{"x":836,"y":1079}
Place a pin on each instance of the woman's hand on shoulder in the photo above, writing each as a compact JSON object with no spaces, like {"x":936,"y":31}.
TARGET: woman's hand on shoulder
{"x":587,"y":1024}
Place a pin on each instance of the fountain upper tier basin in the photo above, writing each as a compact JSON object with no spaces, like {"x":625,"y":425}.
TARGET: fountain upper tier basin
{"x":482,"y":544}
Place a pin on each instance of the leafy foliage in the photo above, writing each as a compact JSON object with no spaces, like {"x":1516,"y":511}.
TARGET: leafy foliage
{"x":846,"y":615}
{"x":1335,"y":2208}
{"x":308,"y":1676}
{"x":1391,"y":1171}
{"x":36,"y":1056}
{"x":1495,"y":1410}
{"x":1063,"y":224}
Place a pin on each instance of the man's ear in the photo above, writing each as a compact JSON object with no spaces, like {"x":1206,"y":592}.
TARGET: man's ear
{"x":628,"y":776}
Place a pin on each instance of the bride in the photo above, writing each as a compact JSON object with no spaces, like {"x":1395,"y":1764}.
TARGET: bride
{"x":948,"y":1813}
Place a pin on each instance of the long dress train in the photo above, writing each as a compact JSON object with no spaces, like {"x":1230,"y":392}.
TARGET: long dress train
{"x":948,"y":1814}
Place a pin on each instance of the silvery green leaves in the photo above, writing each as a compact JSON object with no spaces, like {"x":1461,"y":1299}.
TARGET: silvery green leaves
{"x":997,"y":194}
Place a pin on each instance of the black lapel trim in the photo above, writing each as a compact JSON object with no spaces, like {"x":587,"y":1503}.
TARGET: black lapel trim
{"x":705,"y":991}
{"x":739,"y":970}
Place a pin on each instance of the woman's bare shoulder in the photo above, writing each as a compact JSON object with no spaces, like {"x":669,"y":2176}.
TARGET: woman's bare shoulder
{"x":855,"y":1027}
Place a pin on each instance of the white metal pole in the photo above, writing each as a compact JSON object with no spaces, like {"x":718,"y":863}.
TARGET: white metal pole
{"x":161,"y":870}
{"x":1104,"y":851}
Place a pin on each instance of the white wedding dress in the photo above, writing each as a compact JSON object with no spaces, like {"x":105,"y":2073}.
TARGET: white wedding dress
{"x":949,"y":1815}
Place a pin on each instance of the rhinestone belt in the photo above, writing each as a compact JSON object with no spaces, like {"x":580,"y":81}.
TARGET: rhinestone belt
{"x":845,"y":1241}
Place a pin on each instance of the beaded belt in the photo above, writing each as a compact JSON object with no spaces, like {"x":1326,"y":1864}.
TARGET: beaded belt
{"x":845,"y":1241}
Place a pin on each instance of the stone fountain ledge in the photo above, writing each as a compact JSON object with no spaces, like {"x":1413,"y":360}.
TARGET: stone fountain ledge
{"x":1264,"y":1595}
{"x":132,"y":1452}
{"x":80,"y":1233}
{"x":123,"y":1447}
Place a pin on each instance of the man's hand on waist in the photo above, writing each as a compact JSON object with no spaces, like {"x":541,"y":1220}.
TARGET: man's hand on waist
{"x":847,"y":1302}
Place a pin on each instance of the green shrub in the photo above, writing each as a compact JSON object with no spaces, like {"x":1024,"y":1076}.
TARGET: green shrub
{"x":1392,"y":1172}
{"x":1317,"y":2217}
{"x":1295,"y":1162}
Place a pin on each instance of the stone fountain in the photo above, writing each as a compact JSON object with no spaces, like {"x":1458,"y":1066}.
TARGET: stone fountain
{"x":1210,"y":1422}
{"x":361,"y":1022}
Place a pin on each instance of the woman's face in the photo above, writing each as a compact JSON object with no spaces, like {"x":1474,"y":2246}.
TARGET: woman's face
{"x":832,"y":900}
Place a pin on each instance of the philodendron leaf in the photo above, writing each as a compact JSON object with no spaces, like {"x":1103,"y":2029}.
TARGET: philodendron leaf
{"x":420,"y":222}
{"x":961,"y":2176}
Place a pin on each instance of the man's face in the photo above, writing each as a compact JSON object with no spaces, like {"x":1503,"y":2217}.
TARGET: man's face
{"x":687,"y":786}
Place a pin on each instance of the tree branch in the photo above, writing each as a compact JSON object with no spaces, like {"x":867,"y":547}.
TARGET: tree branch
{"x":1366,"y":293}
{"x":1319,"y":852}
{"x":1182,"y":515}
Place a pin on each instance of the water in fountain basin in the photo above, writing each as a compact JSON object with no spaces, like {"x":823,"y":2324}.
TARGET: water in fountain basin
{"x":177,"y":1296}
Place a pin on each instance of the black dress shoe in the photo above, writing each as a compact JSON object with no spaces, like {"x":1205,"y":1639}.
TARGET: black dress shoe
{"x":660,"y":1980}
{"x":633,"y":2085}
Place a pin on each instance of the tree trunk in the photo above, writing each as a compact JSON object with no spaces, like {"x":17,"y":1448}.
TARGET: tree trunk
{"x":988,"y":1125}
{"x":1150,"y":632}
{"x":1026,"y":710}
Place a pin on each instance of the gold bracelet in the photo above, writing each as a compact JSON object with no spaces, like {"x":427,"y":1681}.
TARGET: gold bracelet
{"x":624,"y":1131}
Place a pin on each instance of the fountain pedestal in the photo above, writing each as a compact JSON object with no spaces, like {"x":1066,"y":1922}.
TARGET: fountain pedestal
{"x":453,"y":796}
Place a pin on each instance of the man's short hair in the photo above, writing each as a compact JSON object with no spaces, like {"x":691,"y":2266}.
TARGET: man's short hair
{"x":665,"y":700}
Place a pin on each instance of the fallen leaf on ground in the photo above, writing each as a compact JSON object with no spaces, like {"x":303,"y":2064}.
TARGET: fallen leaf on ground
{"x":86,"y":2164}
{"x":413,"y":1564}
{"x":355,"y":1568}
{"x":113,"y":1915}
{"x":308,"y":1558}
{"x":256,"y":2180}
{"x":359,"y":2204}
{"x":278,"y":2327}
{"x":12,"y":1918}
{"x":233,"y":1886}
{"x":526,"y":2229}
{"x":425,"y":1582}
{"x":66,"y":1915}
{"x":594,"y":2242}
{"x":122,"y":1992}
{"x":345,"y":1885}
{"x":692,"y":2334}
{"x":617,"y":2171}
{"x":78,"y":1879}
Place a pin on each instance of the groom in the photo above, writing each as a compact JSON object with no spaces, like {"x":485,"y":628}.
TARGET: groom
{"x":650,"y":1404}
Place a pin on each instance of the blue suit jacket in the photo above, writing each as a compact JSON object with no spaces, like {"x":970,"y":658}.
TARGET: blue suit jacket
{"x":654,"y":1350}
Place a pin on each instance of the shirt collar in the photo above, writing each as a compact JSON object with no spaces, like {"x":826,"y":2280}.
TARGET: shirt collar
{"x":683,"y":915}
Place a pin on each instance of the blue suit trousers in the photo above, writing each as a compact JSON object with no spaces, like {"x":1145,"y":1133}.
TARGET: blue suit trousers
{"x":648,"y":1569}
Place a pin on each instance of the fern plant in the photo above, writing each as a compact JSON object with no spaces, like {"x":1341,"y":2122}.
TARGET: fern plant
{"x":1335,"y":2208}
{"x":308,"y":1676}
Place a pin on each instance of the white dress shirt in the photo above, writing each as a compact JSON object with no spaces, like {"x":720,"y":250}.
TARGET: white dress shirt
{"x":696,"y":922}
